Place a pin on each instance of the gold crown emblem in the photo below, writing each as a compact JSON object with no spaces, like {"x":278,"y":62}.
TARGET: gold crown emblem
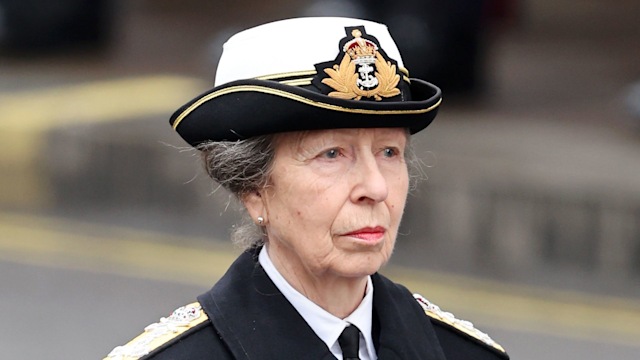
{"x":359,"y":49}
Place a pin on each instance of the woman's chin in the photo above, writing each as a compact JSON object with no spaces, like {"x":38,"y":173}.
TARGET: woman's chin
{"x":362,"y":265}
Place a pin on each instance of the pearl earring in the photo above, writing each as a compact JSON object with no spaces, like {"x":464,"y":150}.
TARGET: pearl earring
{"x":260,"y":220}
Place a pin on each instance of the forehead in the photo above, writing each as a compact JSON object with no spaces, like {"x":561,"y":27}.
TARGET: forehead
{"x":302,"y":138}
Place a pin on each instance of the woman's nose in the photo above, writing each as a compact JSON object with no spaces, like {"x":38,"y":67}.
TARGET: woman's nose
{"x":370,"y":183}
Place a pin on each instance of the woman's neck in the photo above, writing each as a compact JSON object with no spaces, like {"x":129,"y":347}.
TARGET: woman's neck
{"x":338,"y":295}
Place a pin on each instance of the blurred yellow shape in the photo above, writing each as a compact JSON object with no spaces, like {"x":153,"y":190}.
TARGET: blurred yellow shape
{"x":27,"y":116}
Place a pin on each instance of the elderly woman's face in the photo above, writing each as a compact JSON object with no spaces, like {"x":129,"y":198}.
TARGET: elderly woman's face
{"x":335,"y":199}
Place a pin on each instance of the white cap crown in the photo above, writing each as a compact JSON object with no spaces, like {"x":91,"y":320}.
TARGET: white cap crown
{"x":301,"y":43}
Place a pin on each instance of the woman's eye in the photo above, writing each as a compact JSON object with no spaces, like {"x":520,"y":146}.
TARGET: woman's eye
{"x":390,"y":152}
{"x":331,"y":153}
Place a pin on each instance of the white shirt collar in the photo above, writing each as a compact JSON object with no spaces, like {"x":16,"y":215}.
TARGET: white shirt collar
{"x":327,"y":326}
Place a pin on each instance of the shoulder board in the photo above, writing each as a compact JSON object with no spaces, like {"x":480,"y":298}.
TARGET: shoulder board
{"x":463,"y":326}
{"x":160,"y":333}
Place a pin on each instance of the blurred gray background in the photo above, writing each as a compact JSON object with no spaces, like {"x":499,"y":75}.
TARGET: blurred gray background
{"x":527,"y":222}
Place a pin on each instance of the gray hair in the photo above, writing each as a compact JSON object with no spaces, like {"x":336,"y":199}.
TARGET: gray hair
{"x":241,"y":167}
{"x":244,"y":166}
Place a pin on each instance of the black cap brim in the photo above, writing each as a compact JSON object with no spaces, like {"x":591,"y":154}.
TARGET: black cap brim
{"x":247,"y":108}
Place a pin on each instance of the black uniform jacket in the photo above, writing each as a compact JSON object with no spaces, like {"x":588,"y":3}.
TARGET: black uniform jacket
{"x":248,"y":318}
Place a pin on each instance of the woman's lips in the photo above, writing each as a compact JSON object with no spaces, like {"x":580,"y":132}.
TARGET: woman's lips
{"x":368,"y":233}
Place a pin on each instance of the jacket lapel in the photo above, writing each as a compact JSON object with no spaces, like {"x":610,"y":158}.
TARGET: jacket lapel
{"x":253,"y":318}
{"x":400,"y":326}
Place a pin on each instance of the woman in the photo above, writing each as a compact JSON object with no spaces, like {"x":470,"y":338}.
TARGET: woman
{"x":309,"y":125}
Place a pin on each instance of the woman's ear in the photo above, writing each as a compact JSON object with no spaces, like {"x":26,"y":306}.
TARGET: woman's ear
{"x":254,"y":202}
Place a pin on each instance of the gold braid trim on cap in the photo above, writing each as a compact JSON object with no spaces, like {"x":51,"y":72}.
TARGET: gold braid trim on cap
{"x":297,"y":82}
{"x":294,"y":97}
{"x":286,"y":75}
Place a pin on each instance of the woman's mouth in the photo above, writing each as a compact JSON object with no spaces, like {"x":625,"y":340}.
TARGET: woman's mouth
{"x":370,"y":234}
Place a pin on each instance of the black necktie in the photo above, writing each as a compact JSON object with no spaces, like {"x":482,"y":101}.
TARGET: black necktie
{"x":349,"y":343}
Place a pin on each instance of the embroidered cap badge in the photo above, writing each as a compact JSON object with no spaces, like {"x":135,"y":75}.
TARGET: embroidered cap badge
{"x":362,"y":72}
